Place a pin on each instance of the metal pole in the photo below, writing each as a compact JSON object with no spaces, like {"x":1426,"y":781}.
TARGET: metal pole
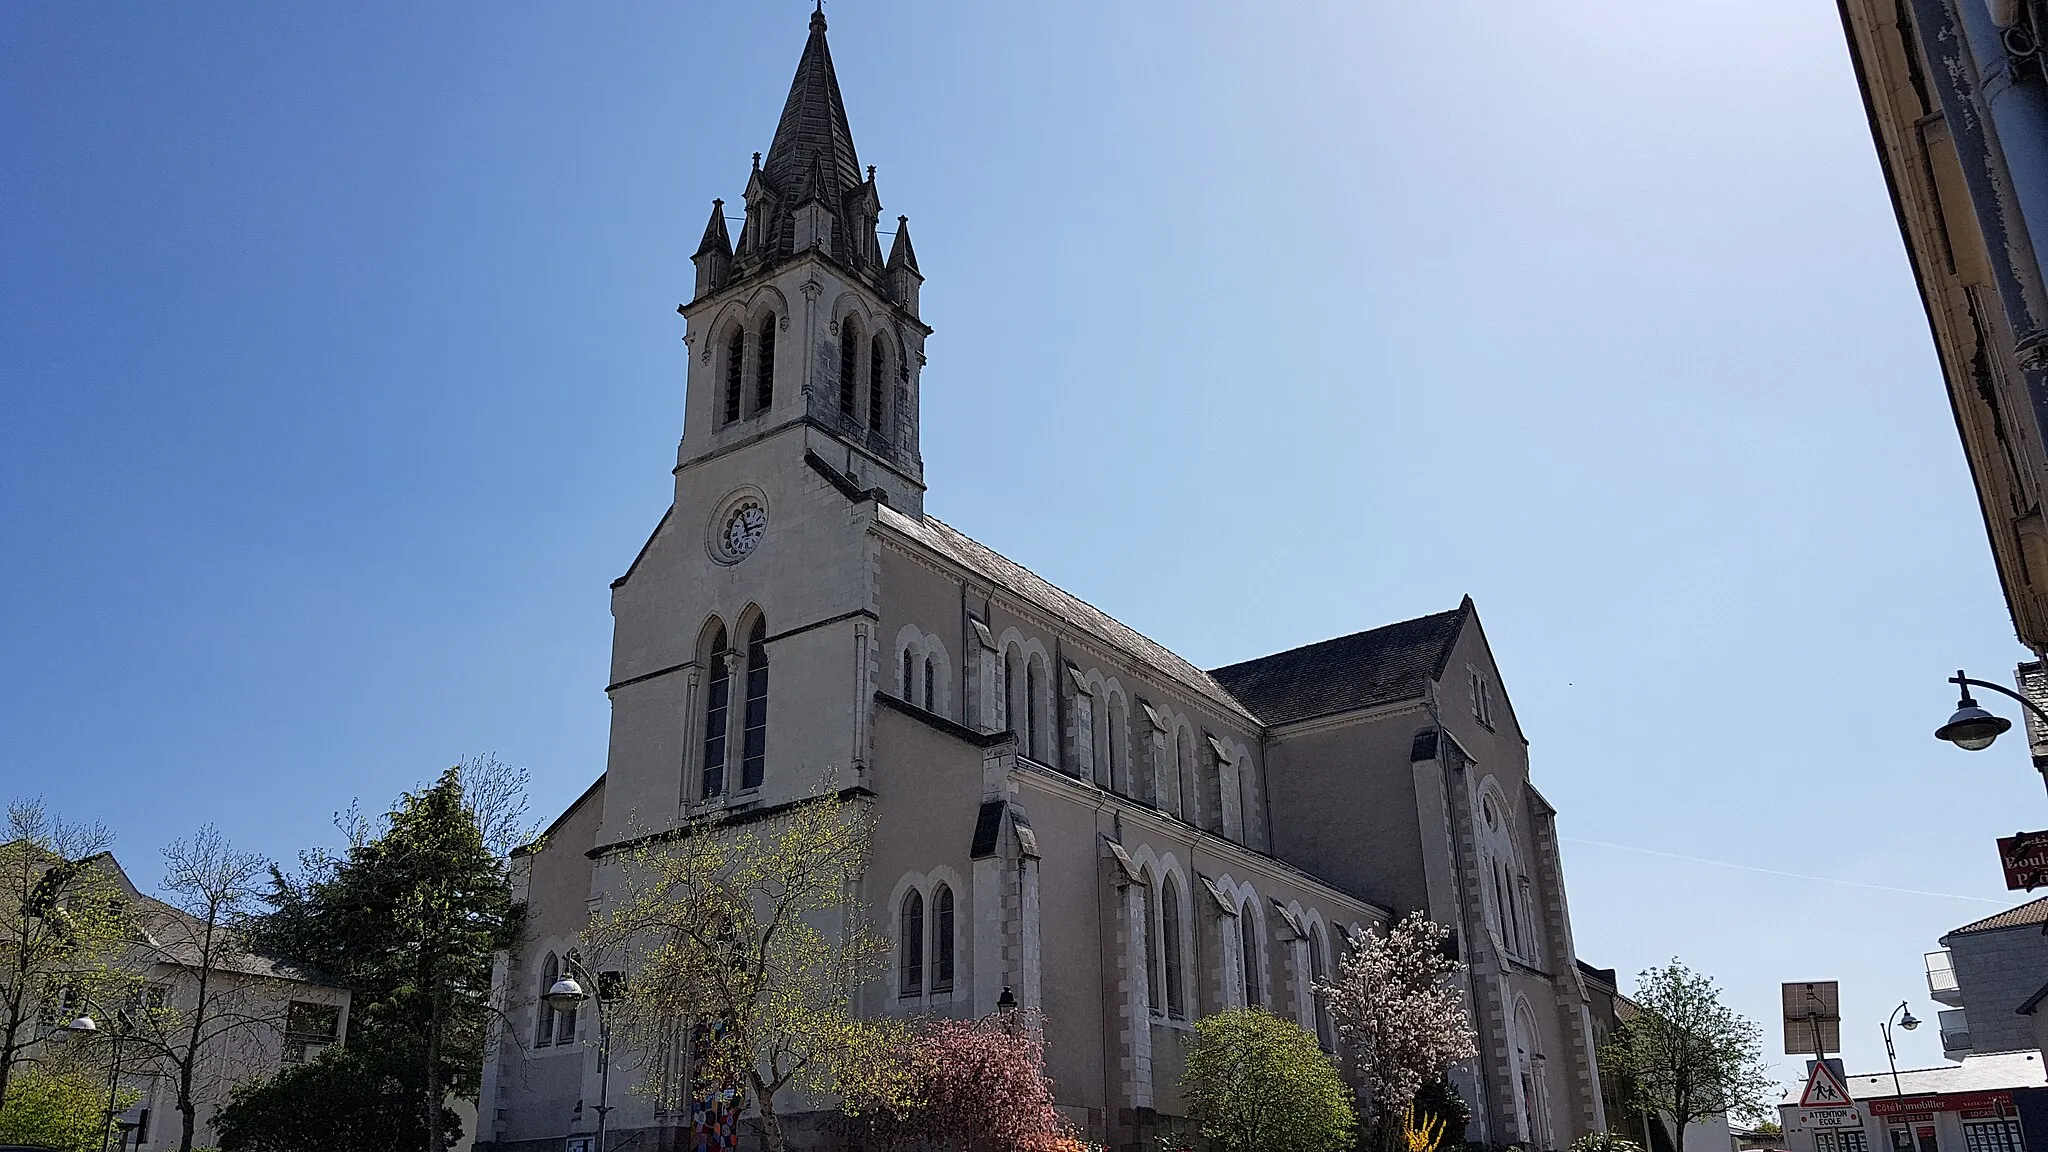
{"x":1890,"y":1056}
{"x":113,"y":1085}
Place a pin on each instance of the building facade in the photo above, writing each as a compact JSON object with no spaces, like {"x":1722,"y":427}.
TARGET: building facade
{"x":1988,"y":976}
{"x":263,"y":1016}
{"x":1957,"y":96}
{"x":1066,"y":811}
{"x":1984,"y":1104}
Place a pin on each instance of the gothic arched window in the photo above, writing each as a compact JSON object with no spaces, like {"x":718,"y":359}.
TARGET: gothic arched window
{"x":754,"y":740}
{"x":764,"y":367}
{"x":735,"y":372}
{"x":717,"y":709}
{"x":878,"y":384}
{"x":1169,"y":943}
{"x":910,"y":940}
{"x":543,"y":1008}
{"x":1248,"y":952}
{"x":1034,"y":677}
{"x":1186,"y":804}
{"x":1155,"y":979}
{"x":1010,"y":709}
{"x":942,"y":939}
{"x":1315,"y":974}
{"x":909,"y":676}
{"x":931,"y":698}
{"x":849,"y":371}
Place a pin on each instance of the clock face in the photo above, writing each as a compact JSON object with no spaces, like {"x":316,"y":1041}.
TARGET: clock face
{"x":743,"y":530}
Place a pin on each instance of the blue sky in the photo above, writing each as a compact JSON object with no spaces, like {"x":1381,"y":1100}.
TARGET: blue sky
{"x":342,"y":373}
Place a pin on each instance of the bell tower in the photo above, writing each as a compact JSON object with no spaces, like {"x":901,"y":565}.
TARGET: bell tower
{"x":805,"y":331}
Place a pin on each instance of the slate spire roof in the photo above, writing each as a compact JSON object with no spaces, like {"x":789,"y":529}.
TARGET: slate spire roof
{"x":812,"y":131}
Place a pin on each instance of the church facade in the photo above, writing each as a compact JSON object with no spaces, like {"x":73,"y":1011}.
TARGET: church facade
{"x":1068,"y":815}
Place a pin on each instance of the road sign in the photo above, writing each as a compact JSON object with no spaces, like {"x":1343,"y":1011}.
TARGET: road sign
{"x":1824,"y":1089}
{"x":2024,"y":855}
{"x":1831,"y":1117}
{"x":1813,"y":1017}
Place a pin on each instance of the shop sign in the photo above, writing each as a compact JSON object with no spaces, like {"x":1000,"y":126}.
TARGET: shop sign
{"x":1947,"y":1102}
{"x":2024,"y":856}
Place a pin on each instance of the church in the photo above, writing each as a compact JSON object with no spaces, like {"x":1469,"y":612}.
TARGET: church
{"x":1069,"y":817}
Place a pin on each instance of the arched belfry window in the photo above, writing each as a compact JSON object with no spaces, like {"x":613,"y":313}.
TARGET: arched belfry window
{"x":1169,"y":944}
{"x":543,"y":1008}
{"x":764,"y":367}
{"x":910,"y":944}
{"x":849,"y":369}
{"x":735,"y":372}
{"x":942,"y":939}
{"x":717,"y":713}
{"x":878,"y":383}
{"x":754,"y":740}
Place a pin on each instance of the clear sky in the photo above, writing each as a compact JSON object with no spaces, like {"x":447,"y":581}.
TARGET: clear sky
{"x":342,"y":373}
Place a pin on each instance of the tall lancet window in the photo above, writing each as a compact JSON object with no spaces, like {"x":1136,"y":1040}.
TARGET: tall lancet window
{"x":754,"y":741}
{"x":931,"y":694}
{"x":878,"y":384}
{"x":717,"y":707}
{"x":909,"y":676}
{"x":735,"y":372}
{"x":1169,"y":932}
{"x":942,"y":939}
{"x":1248,"y":951}
{"x":910,"y":944}
{"x":849,"y":370}
{"x":764,"y":367}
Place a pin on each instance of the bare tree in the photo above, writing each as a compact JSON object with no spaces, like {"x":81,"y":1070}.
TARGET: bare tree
{"x":495,"y":794}
{"x":63,"y":926}
{"x":207,"y":1029}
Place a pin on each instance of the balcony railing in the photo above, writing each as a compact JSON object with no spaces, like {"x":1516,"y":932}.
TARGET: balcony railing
{"x":1955,"y":1031}
{"x":1941,"y":979}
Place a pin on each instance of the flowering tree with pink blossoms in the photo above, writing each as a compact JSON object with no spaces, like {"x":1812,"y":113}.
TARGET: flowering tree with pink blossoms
{"x":957,"y":1086}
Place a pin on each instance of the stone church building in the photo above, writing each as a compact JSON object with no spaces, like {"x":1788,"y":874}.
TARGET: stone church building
{"x":1066,"y":810}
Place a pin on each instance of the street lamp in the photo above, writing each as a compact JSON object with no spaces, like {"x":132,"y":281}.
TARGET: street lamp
{"x":566,"y":994}
{"x":1972,"y":728}
{"x":1908,"y":1022}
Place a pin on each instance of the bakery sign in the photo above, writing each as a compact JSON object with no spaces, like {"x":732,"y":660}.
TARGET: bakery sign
{"x":1985,"y":1103}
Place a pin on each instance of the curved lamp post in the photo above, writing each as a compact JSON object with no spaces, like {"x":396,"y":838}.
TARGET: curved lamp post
{"x":1973,"y":729}
{"x":566,"y":994}
{"x":1908,"y":1022}
{"x":85,"y":1025}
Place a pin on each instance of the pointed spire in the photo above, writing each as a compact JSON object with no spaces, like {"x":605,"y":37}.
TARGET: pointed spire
{"x":717,"y":242}
{"x":901,"y":254}
{"x":813,"y":127}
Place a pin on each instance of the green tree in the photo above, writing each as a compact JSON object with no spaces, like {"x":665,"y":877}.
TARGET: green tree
{"x":409,"y":920}
{"x":753,"y":928}
{"x":66,"y":1108}
{"x":64,"y":928}
{"x":1257,"y":1083}
{"x":1686,"y":1056}
{"x":349,"y":1098}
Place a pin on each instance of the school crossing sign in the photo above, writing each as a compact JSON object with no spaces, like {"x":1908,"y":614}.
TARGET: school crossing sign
{"x":1826,"y":1102}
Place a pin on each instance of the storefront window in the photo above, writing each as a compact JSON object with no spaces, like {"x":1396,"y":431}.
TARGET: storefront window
{"x":1841,"y":1140}
{"x":1992,"y":1136}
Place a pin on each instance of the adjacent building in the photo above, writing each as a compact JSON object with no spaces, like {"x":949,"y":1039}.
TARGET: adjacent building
{"x":1069,"y":815}
{"x":1957,"y":98}
{"x":1984,"y":1104}
{"x":1990,"y":976}
{"x":266,"y":1015}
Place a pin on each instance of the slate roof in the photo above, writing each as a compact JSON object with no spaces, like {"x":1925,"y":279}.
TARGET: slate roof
{"x":1020,"y":581}
{"x":2032,"y":912}
{"x":1974,"y":1074}
{"x":1361,"y":670}
{"x":813,"y":128}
